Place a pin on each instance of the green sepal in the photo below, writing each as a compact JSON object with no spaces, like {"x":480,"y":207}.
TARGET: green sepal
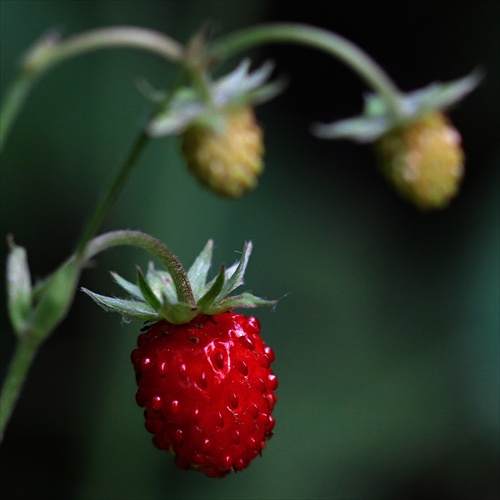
{"x":443,"y":95}
{"x":198,"y":271}
{"x":146,"y":291}
{"x":236,"y":278}
{"x":132,"y":289}
{"x":213,"y":292}
{"x":125,"y":307}
{"x":178,"y":312}
{"x":161,"y":283}
{"x":245,"y":300}
{"x":18,"y":288}
{"x":155,"y":296}
{"x":238,"y":88}
{"x":377,"y":119}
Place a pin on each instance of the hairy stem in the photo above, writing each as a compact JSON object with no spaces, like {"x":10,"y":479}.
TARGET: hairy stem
{"x":152,"y":245}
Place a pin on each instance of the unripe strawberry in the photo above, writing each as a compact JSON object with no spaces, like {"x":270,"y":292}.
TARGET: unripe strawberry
{"x":423,"y":160}
{"x":227,"y":159}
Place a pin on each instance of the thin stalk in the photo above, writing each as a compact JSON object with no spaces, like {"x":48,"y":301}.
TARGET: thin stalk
{"x":120,"y":36}
{"x":318,"y":38}
{"x":114,"y":190}
{"x":30,"y":341}
{"x":22,"y":359}
{"x":49,"y":51}
{"x":119,"y":182}
{"x":14,"y":100}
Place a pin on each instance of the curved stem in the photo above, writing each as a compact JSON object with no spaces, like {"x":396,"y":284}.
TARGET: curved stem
{"x":120,"y":36}
{"x":50,"y":51}
{"x":318,"y":38}
{"x":152,"y":245}
{"x":30,"y":341}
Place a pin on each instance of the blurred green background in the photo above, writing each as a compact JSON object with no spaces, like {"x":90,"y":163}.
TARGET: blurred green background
{"x":387,"y":331}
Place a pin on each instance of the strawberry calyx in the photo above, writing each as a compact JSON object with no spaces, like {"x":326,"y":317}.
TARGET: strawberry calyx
{"x":155,"y":296}
{"x":377,"y":118}
{"x":209,"y":106}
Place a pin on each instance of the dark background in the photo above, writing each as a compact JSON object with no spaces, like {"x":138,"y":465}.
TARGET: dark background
{"x":386,"y":334}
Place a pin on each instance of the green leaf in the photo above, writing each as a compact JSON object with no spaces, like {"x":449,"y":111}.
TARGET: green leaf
{"x":147,"y":292}
{"x":18,"y":288}
{"x":198,"y":272}
{"x":128,"y":308}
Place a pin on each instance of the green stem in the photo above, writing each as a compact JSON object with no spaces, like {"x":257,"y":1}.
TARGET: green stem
{"x":50,"y":51}
{"x":16,"y":96}
{"x":30,"y":340}
{"x":39,"y":59}
{"x":121,"y":36}
{"x":24,"y":354}
{"x":152,"y":245}
{"x":114,"y":190}
{"x":318,"y":38}
{"x":123,"y":175}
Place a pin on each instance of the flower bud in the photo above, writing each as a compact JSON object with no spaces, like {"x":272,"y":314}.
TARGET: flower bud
{"x":423,"y":160}
{"x":227,"y":159}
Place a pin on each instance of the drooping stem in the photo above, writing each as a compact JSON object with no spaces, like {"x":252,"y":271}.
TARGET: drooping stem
{"x":50,"y":51}
{"x":118,"y":36}
{"x":152,"y":245}
{"x":45,"y":54}
{"x":318,"y":38}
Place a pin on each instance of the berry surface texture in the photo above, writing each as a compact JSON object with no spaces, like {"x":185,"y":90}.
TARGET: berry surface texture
{"x":208,"y":390}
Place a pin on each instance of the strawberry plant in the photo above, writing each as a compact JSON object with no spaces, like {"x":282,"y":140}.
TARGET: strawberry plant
{"x":203,"y":371}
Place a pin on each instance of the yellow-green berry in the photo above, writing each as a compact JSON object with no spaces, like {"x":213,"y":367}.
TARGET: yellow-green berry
{"x":423,"y":160}
{"x":229,"y":160}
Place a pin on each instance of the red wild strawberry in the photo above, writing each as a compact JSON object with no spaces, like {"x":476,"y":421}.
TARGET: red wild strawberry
{"x":208,"y":390}
{"x":203,"y":372}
